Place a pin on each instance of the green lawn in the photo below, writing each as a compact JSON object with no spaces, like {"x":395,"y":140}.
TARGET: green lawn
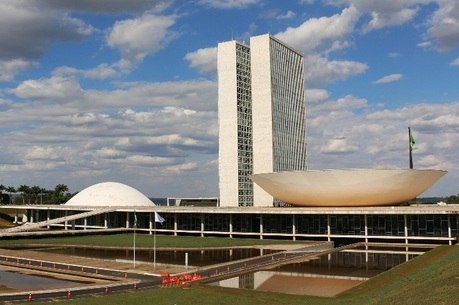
{"x":144,"y":240}
{"x":432,"y":278}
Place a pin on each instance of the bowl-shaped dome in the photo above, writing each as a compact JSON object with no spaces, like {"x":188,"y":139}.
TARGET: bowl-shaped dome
{"x":110,"y":194}
{"x":347,"y":187}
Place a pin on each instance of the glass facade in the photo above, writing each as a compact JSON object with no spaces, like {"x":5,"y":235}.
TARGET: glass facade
{"x":311,"y":224}
{"x":391,"y":225}
{"x":277,"y":224}
{"x":347,"y":224}
{"x":411,"y":228}
{"x":432,"y":225}
{"x":219,"y":223}
{"x":244,"y":125}
{"x":289,"y":113}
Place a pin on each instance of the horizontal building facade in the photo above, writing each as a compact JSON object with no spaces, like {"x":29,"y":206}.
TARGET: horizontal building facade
{"x":414,"y":224}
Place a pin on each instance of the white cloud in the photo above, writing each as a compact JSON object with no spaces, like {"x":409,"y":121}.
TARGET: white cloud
{"x":388,"y":79}
{"x":379,"y":138}
{"x":443,"y":32}
{"x":321,"y":71}
{"x":288,"y":15}
{"x":443,"y":26}
{"x":179,"y":168}
{"x":205,"y":60}
{"x":136,"y":38}
{"x":228,"y":4}
{"x":324,"y":33}
{"x":102,"y":71}
{"x":34,"y":29}
{"x":316,"y":96}
{"x":338,"y":145}
{"x":145,"y":160}
{"x":314,"y":35}
{"x":455,"y":62}
{"x":384,"y":19}
{"x":165,"y":128}
{"x":193,"y":94}
{"x":425,"y":44}
{"x":9,"y":68}
{"x":387,"y":13}
{"x":47,"y":153}
{"x":112,"y":6}
{"x":59,"y":89}
{"x":309,"y":2}
{"x":341,"y":105}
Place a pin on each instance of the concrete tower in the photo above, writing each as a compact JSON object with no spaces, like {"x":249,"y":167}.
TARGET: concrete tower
{"x":261,"y":114}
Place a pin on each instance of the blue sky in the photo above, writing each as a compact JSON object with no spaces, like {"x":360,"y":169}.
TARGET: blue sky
{"x":126,"y":91}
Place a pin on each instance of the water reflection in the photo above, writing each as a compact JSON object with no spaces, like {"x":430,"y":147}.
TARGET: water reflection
{"x":196,"y":258}
{"x":327,"y":275}
{"x":19,"y":281}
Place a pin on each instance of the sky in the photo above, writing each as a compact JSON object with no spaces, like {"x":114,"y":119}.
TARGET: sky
{"x":126,"y":91}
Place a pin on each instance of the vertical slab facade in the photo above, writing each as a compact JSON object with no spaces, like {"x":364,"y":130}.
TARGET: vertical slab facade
{"x":235,"y":125}
{"x":262,"y":116}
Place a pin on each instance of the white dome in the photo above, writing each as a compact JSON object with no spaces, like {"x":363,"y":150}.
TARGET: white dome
{"x":110,"y":194}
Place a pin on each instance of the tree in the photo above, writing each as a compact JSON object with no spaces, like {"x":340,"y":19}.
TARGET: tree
{"x":454,"y":199}
{"x":10,"y":190}
{"x":2,"y":198}
{"x":35,"y":191}
{"x":25,"y":192}
{"x":60,"y":194}
{"x":43,"y":192}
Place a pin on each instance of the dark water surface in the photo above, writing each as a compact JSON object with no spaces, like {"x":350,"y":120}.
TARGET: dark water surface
{"x":326,"y":276}
{"x":196,"y":258}
{"x":10,"y":280}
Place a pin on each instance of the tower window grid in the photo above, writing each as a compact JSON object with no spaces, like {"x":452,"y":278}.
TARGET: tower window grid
{"x":244,"y":126}
{"x":289,"y":143}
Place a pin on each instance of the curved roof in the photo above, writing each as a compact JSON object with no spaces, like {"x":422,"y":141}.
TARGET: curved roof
{"x":347,"y":187}
{"x":110,"y":194}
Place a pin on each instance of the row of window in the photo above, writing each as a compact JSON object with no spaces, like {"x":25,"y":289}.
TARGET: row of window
{"x":377,"y":225}
{"x":288,"y":109}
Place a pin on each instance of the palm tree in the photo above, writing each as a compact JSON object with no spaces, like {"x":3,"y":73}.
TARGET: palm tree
{"x":25,"y":191}
{"x":2,"y":188}
{"x":11,"y":190}
{"x":35,"y":191}
{"x":59,"y":194}
{"x":43,"y":191}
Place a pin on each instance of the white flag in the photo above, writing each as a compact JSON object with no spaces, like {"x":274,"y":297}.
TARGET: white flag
{"x":158,"y":218}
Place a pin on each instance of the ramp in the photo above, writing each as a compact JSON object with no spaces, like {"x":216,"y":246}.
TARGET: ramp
{"x":37,"y":225}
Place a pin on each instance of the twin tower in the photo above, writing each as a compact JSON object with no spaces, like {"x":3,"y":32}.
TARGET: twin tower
{"x":261,"y":114}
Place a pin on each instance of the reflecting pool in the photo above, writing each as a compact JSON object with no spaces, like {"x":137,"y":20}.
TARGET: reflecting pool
{"x":197,"y":258}
{"x":325,"y":276}
{"x":16,"y":281}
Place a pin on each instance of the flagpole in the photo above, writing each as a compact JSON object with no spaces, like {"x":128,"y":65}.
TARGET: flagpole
{"x":134,"y":247}
{"x":154,"y":245}
{"x":161,"y":220}
{"x":135,"y":226}
{"x":410,"y":145}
